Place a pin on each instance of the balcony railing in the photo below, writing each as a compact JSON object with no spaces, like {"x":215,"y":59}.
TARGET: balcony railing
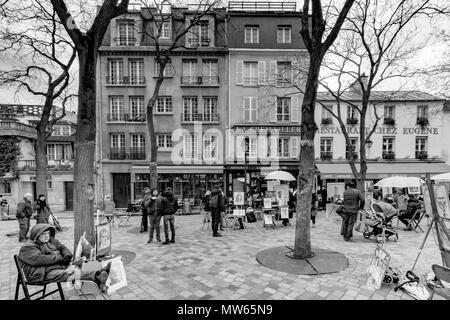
{"x":14,"y":128}
{"x":121,"y":117}
{"x":137,"y":154}
{"x":67,"y":164}
{"x":326,"y":155}
{"x":206,"y":117}
{"x":125,"y":41}
{"x":423,"y":121}
{"x":262,"y":6}
{"x":199,"y":80}
{"x":199,"y":42}
{"x":250,"y":81}
{"x":118,"y":154}
{"x":389,"y":121}
{"x":126,"y":80}
{"x":421,"y":155}
{"x":388,"y":155}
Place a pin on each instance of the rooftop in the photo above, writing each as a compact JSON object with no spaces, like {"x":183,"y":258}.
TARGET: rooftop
{"x":414,"y":95}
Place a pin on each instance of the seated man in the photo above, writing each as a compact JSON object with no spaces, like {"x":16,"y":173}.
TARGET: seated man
{"x":44,"y":259}
{"x":411,"y":207}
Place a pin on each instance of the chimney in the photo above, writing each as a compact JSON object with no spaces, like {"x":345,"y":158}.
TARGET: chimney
{"x":355,"y":87}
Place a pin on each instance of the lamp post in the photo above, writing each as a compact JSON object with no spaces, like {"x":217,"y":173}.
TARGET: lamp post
{"x":246,"y":147}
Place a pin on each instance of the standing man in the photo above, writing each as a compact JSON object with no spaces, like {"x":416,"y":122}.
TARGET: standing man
{"x":353,"y":201}
{"x":144,"y":221}
{"x":217,"y":206}
{"x":155,"y":208}
{"x":169,"y":215}
{"x":3,"y":210}
{"x":23,"y":214}
{"x":42,"y":209}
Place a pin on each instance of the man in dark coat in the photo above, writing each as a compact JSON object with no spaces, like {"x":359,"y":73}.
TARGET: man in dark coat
{"x":23,"y":214}
{"x":42,"y":209}
{"x":156,"y":205}
{"x":412,"y":206}
{"x":353,"y":202}
{"x":44,"y":259}
{"x":217,"y":206}
{"x":169,"y":215}
{"x":144,"y":221}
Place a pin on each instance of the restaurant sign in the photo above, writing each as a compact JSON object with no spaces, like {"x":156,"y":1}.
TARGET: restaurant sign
{"x":380,"y":130}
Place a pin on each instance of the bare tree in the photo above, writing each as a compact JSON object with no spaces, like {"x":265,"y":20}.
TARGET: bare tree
{"x":87,"y":44}
{"x":377,"y":43}
{"x":161,"y":12}
{"x":48,"y":57}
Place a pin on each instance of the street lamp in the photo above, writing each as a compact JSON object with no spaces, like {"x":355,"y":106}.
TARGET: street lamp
{"x":246,"y":150}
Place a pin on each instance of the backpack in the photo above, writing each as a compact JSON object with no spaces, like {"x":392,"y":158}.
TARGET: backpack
{"x":214,"y":201}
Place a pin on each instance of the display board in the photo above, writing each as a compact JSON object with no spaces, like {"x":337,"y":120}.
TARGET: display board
{"x":377,"y":268}
{"x":239,"y":212}
{"x":284,"y":212}
{"x":267,"y":203}
{"x":238,"y":198}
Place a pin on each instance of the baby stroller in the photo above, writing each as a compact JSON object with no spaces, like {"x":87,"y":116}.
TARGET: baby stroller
{"x":377,"y":222}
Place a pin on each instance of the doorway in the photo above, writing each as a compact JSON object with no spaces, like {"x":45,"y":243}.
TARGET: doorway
{"x":68,"y":191}
{"x":121,"y":189}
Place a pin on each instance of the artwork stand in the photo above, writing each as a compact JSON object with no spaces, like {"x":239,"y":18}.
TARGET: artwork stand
{"x":268,"y":214}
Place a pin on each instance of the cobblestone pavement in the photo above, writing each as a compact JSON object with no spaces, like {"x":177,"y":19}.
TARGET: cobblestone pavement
{"x":199,"y":266}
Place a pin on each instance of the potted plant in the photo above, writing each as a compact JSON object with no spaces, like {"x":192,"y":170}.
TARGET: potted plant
{"x":389,"y":155}
{"x":422,"y":155}
{"x":389,"y":121}
{"x":327,"y":121}
{"x":326,"y":156}
{"x":352,"y":121}
{"x":422,"y":121}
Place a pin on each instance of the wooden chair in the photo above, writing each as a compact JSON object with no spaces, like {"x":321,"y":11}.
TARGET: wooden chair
{"x":22,"y":281}
{"x":441,"y":273}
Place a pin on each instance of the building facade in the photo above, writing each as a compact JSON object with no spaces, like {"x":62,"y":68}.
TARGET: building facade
{"x":19,"y":121}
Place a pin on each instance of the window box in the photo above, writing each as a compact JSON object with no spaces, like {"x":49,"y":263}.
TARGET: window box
{"x":326,"y":156}
{"x":422,"y":121}
{"x":327,"y":121}
{"x":389,"y":121}
{"x":389,"y":155}
{"x":421,"y":155}
{"x":352,"y":121}
{"x":353,"y":157}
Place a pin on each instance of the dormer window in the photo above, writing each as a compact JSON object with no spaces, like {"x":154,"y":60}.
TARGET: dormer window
{"x":125,"y":29}
{"x":199,"y":34}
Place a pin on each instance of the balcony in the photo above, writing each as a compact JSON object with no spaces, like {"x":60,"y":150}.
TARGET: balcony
{"x":421,"y":155}
{"x":118,"y":154}
{"x":199,"y":42}
{"x":125,"y":41}
{"x":352,"y":121}
{"x":13,"y":128}
{"x":126,"y":117}
{"x":53,"y":165}
{"x":389,"y":121}
{"x":423,"y":121}
{"x":125,"y":81}
{"x":205,"y":117}
{"x":327,"y":121}
{"x":388,"y":155}
{"x":255,"y":6}
{"x":326,"y":156}
{"x":137,"y":154}
{"x":199,"y":81}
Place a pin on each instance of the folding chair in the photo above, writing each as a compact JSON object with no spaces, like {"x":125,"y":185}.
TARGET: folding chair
{"x":413,"y":223}
{"x":22,"y":281}
{"x":206,"y":219}
{"x":442,"y":274}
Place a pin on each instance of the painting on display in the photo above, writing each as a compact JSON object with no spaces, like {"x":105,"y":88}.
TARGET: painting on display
{"x":282,"y":191}
{"x":238,"y":198}
{"x":267,"y":203}
{"x":272,"y":184}
{"x":284,"y":212}
{"x":413,"y":190}
{"x":268,"y":219}
{"x":239,"y":212}
{"x":103,"y":237}
{"x":440,"y":195}
{"x":377,"y":268}
{"x":117,"y":278}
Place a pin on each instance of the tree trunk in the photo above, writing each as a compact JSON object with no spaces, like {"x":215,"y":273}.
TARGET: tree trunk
{"x":305,"y":180}
{"x":85,"y":145}
{"x":41,"y":162}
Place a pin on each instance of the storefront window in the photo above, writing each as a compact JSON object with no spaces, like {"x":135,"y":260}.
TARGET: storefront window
{"x":142,"y":180}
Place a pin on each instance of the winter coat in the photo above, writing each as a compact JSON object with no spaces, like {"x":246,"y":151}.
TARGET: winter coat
{"x":353,"y":201}
{"x":171,"y":204}
{"x":156,"y":207}
{"x":43,"y":212}
{"x":411,"y":207}
{"x":205,"y":201}
{"x":24,"y":209}
{"x":146,"y":199}
{"x":39,"y":258}
{"x":221,"y":202}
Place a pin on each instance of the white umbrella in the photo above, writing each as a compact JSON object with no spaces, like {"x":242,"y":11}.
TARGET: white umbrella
{"x":280,"y":175}
{"x":399,"y":182}
{"x":443,"y":177}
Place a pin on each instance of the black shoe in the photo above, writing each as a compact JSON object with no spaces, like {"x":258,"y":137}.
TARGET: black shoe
{"x":222,"y":229}
{"x":241,"y":228}
{"x":166,"y":242}
{"x":407,"y":229}
{"x":217,"y":235}
{"x":346,"y":239}
{"x":159,"y":240}
{"x":172,"y":241}
{"x":149,"y":241}
{"x":100,"y":279}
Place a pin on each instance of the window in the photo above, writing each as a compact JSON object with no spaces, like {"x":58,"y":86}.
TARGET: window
{"x":136,"y":71}
{"x":283,"y":147}
{"x":115,"y":71}
{"x":284,"y":34}
{"x":126,"y":32}
{"x":164,"y":141}
{"x":352,"y":146}
{"x":283,"y":109}
{"x":210,"y":71}
{"x":326,"y":148}
{"x":326,"y":114}
{"x":167,"y":69}
{"x":5,"y":186}
{"x":49,"y":184}
{"x":250,"y":107}
{"x":210,"y":147}
{"x":137,"y":112}
{"x":165,"y":29}
{"x":117,"y":141}
{"x":189,"y":71}
{"x":51,"y":152}
{"x":422,"y":112}
{"x":66,"y":131}
{"x":389,"y":112}
{"x":142,"y":180}
{"x":190,"y":108}
{"x":190,"y":145}
{"x":57,"y":131}
{"x":210,"y":109}
{"x":137,"y":150}
{"x":252,"y":147}
{"x":352,"y":112}
{"x":164,"y":105}
{"x":199,"y":34}
{"x":388,"y":148}
{"x":251,"y":34}
{"x":67,"y":151}
{"x":59,"y":152}
{"x":284,"y":74}
{"x":116,"y":108}
{"x":250,"y":73}
{"x":421,"y":148}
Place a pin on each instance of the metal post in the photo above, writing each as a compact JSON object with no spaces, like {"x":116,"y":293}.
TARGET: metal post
{"x":245,"y":171}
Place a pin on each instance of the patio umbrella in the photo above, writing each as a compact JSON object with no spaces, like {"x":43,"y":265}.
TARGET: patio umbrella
{"x":280,"y":175}
{"x":443,"y":177}
{"x":399,"y":182}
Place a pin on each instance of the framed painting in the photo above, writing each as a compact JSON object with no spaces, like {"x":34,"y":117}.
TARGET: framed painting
{"x":103,"y":238}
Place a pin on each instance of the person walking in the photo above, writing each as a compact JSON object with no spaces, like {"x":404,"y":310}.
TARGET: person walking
{"x":144,"y":221}
{"x":42,"y":209}
{"x":23,"y":214}
{"x":217,"y":206}
{"x":313,"y":208}
{"x":205,"y":201}
{"x":353,"y":202}
{"x":155,"y":208}
{"x":169,"y":215}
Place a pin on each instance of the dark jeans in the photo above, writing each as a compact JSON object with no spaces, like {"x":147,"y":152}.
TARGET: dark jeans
{"x":144,"y":221}
{"x":24,"y":226}
{"x":215,"y":216}
{"x":348,"y":222}
{"x":154,"y":224}
{"x":169,"y":219}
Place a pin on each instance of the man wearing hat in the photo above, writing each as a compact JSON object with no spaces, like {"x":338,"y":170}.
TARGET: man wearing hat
{"x":144,"y":221}
{"x":23,"y":214}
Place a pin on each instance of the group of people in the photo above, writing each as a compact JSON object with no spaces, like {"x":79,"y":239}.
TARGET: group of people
{"x":25,"y":210}
{"x":156,"y":205}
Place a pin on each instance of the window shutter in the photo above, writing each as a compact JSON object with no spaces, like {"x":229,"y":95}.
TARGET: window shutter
{"x":273,"y":109}
{"x":294,"y":109}
{"x":273,"y":72}
{"x":255,"y":106}
{"x":262,"y":72}
{"x":294,"y":147}
{"x":199,"y":145}
{"x":243,"y":110}
{"x":239,"y":72}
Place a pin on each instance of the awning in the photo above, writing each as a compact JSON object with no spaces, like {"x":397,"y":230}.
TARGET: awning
{"x":181,"y":169}
{"x":382,"y":170}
